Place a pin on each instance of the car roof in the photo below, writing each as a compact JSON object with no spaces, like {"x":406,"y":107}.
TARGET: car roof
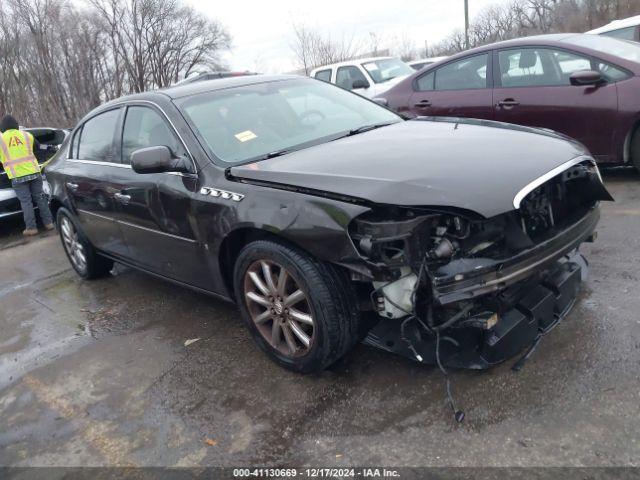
{"x":179,"y":91}
{"x":548,"y":39}
{"x":350,"y":62}
{"x":428,"y":59}
{"x":617,"y":24}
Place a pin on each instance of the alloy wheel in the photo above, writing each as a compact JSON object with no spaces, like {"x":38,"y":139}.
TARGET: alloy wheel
{"x":72,"y":245}
{"x":279,"y":308}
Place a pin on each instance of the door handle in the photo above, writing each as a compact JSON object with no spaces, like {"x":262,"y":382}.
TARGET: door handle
{"x":72,"y":186}
{"x":423,"y":104}
{"x":508,"y":103}
{"x":122,"y":198}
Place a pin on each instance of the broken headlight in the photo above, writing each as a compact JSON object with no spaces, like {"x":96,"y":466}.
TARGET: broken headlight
{"x":400,"y":238}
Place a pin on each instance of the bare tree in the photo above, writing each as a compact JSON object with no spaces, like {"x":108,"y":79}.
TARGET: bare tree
{"x":530,"y":17}
{"x":405,"y":48}
{"x":312,"y":49}
{"x":58,"y":61}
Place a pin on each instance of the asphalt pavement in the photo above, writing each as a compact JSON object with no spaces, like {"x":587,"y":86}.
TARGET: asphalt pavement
{"x":97,"y":373}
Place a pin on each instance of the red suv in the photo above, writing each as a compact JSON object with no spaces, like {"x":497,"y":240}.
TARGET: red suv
{"x":584,"y":86}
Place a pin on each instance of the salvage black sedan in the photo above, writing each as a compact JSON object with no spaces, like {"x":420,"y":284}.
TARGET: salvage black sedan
{"x":330,"y":220}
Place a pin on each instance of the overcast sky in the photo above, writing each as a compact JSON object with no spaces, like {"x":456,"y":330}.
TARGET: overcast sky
{"x":262,"y":32}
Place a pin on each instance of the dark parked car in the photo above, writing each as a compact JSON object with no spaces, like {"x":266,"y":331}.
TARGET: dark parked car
{"x":584,"y":86}
{"x":329,"y":219}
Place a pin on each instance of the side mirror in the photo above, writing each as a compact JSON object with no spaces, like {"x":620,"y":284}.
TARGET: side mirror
{"x":158,"y":159}
{"x":360,"y":83}
{"x":586,"y":77}
{"x":380,"y":101}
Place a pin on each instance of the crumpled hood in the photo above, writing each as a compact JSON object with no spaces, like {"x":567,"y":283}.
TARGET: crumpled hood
{"x":470,"y":164}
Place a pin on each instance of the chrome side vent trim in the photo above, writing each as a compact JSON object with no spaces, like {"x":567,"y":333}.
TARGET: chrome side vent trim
{"x":215,"y":192}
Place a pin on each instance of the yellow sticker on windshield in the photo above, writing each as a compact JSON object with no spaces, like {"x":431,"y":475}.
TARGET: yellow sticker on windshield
{"x":246,"y":135}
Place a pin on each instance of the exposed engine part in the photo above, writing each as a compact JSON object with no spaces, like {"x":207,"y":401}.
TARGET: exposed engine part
{"x":395,"y":299}
{"x":444,"y":249}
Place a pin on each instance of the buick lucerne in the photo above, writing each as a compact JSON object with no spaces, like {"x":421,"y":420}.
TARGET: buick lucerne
{"x":330,"y":220}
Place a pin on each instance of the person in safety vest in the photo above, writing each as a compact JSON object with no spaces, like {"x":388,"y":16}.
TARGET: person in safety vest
{"x":21,"y":166}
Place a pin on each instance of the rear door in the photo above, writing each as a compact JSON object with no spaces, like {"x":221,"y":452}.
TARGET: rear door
{"x":461,"y":88}
{"x":155,"y":210}
{"x":88,"y":171}
{"x":533,"y":89}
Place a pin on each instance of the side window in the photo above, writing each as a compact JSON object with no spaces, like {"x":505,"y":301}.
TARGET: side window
{"x":523,"y":68}
{"x":144,"y":127}
{"x":96,"y":140}
{"x":539,"y":67}
{"x":628,"y":33}
{"x":345,"y":76}
{"x":611,"y":73}
{"x":569,"y":63}
{"x":324,"y":75}
{"x":465,"y":74}
{"x":425,"y":82}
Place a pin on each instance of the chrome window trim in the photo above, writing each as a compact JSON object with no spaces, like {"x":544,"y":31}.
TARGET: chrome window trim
{"x":122,"y":165}
{"x":549,"y":175}
{"x":98,"y":162}
{"x":122,"y":222}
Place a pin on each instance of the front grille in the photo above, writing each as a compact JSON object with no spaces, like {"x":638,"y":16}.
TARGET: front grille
{"x":560,"y":201}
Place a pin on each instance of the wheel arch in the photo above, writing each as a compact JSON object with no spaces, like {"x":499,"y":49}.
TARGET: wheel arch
{"x":235,"y":241}
{"x":54,"y":205}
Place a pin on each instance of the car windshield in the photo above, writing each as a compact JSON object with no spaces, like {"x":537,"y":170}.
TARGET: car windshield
{"x":608,"y":45}
{"x":266,"y":119}
{"x":386,"y":69}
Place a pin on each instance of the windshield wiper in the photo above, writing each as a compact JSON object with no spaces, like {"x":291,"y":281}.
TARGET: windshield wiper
{"x":277,"y":153}
{"x":365,"y":128}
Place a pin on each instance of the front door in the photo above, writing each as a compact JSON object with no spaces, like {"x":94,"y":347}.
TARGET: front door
{"x":461,"y":88}
{"x":348,"y":75}
{"x":155,"y":210}
{"x":88,"y":172}
{"x":534,"y":89}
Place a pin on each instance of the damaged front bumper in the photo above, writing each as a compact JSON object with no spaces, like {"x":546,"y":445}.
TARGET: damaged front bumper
{"x":464,"y":279}
{"x":529,"y":309}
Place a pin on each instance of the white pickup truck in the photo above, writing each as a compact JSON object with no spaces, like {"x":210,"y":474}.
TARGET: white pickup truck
{"x":368,"y":77}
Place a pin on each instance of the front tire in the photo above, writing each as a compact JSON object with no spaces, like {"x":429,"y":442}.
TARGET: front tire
{"x":81,"y":254}
{"x":301,"y":312}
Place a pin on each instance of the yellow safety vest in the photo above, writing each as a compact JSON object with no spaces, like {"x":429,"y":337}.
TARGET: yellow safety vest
{"x":16,"y":154}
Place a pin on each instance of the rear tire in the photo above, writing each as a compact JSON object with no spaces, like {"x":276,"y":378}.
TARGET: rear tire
{"x":79,"y":250}
{"x":314,"y":306}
